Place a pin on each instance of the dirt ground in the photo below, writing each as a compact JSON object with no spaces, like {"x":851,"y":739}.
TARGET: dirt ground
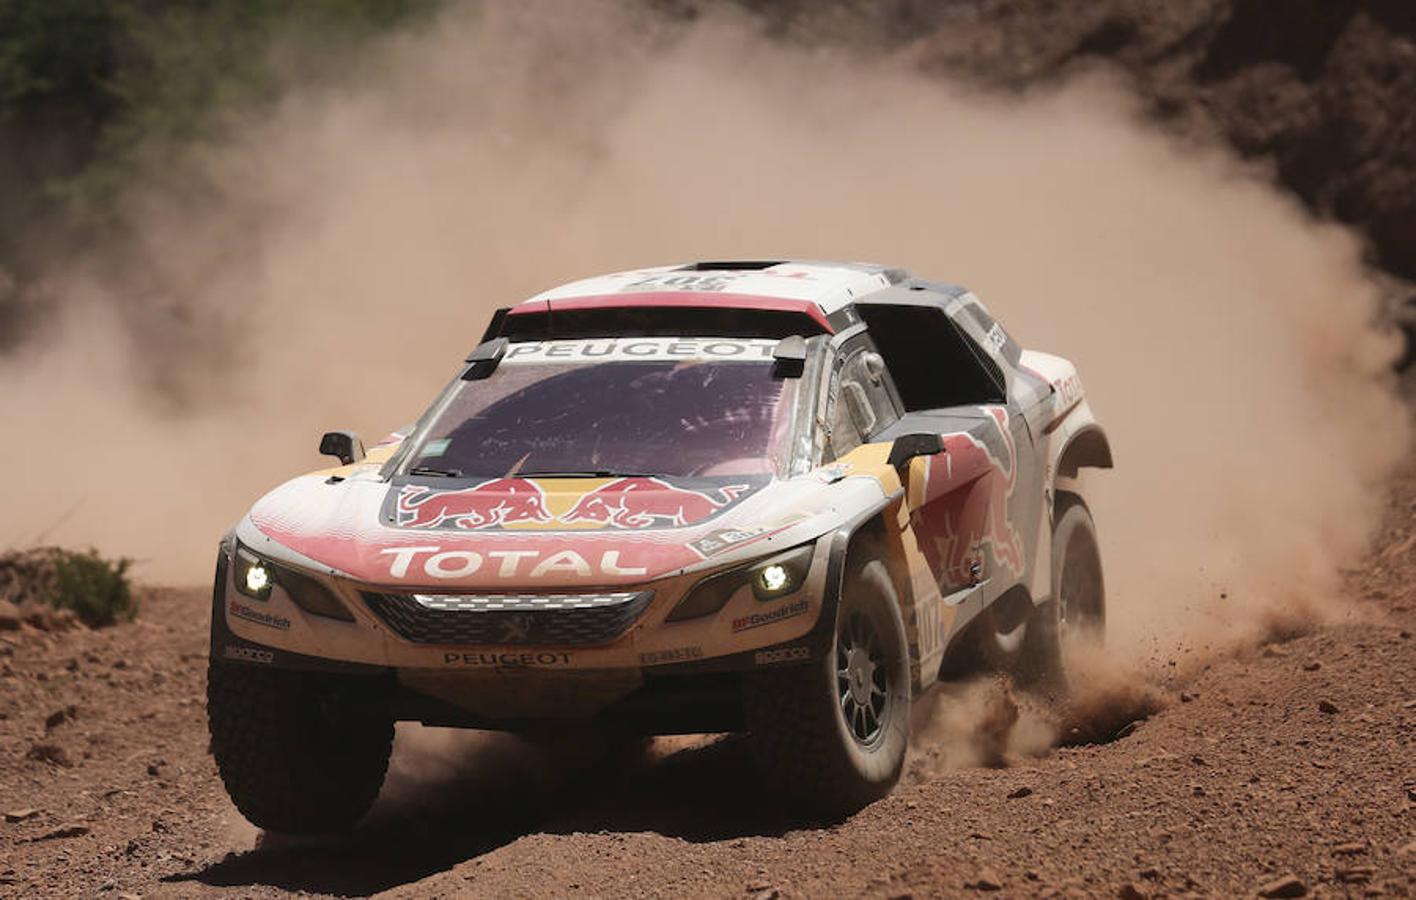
{"x":1286,"y":766}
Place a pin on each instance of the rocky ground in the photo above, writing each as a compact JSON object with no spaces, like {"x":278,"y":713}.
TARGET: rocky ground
{"x":1285,"y":768}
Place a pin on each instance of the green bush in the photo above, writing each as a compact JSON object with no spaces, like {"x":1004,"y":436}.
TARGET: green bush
{"x":95,"y":588}
{"x":99,"y":95}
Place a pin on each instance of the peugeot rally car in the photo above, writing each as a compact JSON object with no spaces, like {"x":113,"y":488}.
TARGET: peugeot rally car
{"x":783,"y":498}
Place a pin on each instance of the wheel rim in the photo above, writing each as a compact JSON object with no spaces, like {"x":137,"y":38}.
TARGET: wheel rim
{"x":862,"y":679}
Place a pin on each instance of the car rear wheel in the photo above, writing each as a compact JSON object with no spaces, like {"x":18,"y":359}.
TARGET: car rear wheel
{"x":832,"y":734}
{"x":299,"y":753}
{"x":1077,"y":609}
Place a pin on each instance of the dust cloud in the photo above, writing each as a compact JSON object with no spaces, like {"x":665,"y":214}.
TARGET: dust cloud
{"x":354,"y":242}
{"x":980,"y":722}
{"x":986,"y":721}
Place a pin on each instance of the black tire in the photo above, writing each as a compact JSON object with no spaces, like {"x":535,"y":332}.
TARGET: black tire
{"x":299,"y":753}
{"x":1076,"y":610}
{"x":797,"y":716}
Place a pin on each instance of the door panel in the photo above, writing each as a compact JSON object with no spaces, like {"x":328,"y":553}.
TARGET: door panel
{"x":966,"y":504}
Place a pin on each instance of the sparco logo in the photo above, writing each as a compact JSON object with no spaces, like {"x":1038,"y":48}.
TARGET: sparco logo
{"x":250,"y":654}
{"x":757,"y":620}
{"x":781,"y":655}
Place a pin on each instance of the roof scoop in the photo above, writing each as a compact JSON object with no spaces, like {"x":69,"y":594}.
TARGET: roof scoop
{"x":731,"y":265}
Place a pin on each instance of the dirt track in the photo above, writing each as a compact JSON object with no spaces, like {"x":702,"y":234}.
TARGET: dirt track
{"x":1290,"y":758}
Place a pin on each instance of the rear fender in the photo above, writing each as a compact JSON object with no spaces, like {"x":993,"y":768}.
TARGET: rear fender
{"x":1069,"y":435}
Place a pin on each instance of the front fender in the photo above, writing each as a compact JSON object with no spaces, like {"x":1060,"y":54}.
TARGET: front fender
{"x":821,"y":637}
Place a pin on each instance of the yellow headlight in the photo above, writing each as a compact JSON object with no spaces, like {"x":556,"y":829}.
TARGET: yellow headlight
{"x":257,"y":578}
{"x":774,"y":578}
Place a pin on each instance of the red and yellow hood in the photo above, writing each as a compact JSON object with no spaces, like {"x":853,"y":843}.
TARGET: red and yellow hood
{"x":554,"y":532}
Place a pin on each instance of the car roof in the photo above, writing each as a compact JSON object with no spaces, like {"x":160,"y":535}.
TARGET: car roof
{"x":762,"y":298}
{"x":829,"y":286}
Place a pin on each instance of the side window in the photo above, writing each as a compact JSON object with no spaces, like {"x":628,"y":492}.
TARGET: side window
{"x":843,"y":435}
{"x":875,"y":383}
{"x":933,"y":362}
{"x":862,"y":401}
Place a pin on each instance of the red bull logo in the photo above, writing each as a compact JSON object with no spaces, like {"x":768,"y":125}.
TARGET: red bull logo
{"x":967,"y":513}
{"x":490,"y":504}
{"x":644,"y":502}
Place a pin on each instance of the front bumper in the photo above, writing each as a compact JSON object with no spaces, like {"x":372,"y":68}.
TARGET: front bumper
{"x":512,"y":634}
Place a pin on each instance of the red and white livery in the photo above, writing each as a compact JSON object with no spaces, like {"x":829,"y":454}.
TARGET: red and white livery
{"x":780,"y":497}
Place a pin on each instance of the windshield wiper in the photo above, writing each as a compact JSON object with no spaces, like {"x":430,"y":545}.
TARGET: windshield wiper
{"x":440,"y":473}
{"x":583,"y":473}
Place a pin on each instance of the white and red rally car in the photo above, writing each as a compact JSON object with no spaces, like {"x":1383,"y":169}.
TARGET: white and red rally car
{"x":772,"y":497}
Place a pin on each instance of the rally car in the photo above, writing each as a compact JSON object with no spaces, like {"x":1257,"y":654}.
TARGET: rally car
{"x":776,"y":497}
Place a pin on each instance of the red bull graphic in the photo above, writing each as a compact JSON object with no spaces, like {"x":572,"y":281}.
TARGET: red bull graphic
{"x":645,"y":502}
{"x":965,"y":510}
{"x":490,"y":504}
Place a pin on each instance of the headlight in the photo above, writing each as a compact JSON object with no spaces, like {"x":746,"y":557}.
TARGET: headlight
{"x":255,"y":577}
{"x":772,"y":578}
{"x":778,"y":579}
{"x":258,"y":579}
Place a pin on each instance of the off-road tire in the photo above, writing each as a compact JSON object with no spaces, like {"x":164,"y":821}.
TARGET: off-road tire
{"x":1076,"y":609}
{"x":299,"y":753}
{"x":802,"y":743}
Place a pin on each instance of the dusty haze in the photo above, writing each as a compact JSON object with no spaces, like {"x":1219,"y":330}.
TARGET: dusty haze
{"x":358,"y":241}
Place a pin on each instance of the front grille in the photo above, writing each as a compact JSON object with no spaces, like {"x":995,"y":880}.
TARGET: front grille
{"x":510,"y":619}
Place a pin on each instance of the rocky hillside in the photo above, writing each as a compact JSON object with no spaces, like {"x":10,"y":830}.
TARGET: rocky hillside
{"x":1324,"y":88}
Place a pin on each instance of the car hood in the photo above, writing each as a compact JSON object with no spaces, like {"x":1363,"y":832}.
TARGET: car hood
{"x":518,"y":533}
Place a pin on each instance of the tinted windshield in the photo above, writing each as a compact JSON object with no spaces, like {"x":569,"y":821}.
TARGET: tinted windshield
{"x":656,"y":416}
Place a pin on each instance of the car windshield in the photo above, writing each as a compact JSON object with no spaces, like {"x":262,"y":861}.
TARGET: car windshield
{"x":653,"y":406}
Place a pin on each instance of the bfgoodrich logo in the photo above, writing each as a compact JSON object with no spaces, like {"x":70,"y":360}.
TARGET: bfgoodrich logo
{"x":260,"y":617}
{"x":757,"y":620}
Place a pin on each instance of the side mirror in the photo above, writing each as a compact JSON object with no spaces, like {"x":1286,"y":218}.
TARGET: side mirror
{"x":908,"y":446}
{"x":484,"y":359}
{"x":789,"y":357}
{"x":345,"y":445}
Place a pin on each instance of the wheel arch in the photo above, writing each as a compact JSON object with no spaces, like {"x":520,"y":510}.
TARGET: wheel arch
{"x":1088,"y":447}
{"x":874,"y":536}
{"x":850,"y":537}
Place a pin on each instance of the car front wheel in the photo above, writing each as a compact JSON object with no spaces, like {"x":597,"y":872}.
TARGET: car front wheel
{"x":832,"y":734}
{"x":299,"y":753}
